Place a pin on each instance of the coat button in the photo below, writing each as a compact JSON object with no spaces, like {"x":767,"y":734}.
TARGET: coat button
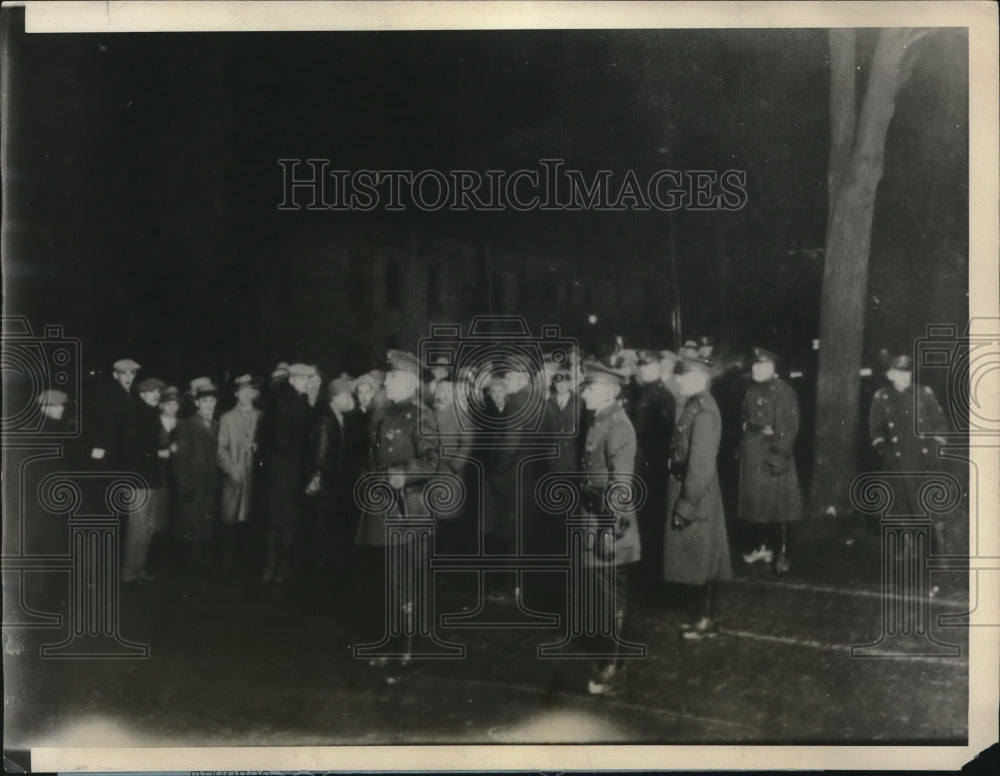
{"x":895,"y":439}
{"x":891,"y":424}
{"x":389,"y":448}
{"x":899,"y":455}
{"x":924,"y":451}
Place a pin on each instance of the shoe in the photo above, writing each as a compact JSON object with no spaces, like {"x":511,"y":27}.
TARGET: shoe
{"x":762,"y":553}
{"x":703,"y":629}
{"x":596,"y":687}
{"x":604,"y":682}
{"x":379,"y":662}
{"x":782,"y":564}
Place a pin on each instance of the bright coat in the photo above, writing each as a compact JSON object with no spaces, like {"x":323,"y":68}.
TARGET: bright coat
{"x":237,"y":450}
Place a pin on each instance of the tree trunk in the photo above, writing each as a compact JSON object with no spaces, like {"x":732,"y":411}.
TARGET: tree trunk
{"x":856,"y":158}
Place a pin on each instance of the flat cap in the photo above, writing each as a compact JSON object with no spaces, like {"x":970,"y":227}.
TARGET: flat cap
{"x":648,"y":356}
{"x":150,"y":384}
{"x":902,"y":363}
{"x":126,"y":365}
{"x":52,"y":398}
{"x":668,"y":355}
{"x":401,"y":361}
{"x":371,"y":379}
{"x":342,"y":384}
{"x":245,"y":381}
{"x":170,"y":393}
{"x":300,"y":370}
{"x":596,"y":372}
{"x":281,"y":370}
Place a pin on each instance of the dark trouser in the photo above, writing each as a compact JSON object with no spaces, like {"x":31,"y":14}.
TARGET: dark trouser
{"x":772,"y":535}
{"x":610,"y":602}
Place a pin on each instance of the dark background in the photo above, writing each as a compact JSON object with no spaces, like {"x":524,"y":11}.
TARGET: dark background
{"x":141,"y":182}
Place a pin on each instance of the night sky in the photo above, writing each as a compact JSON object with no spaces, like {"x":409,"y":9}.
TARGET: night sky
{"x":142,"y":184}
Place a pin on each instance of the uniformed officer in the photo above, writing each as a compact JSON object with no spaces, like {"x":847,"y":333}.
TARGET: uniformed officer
{"x":608,"y":458}
{"x":653,"y":417}
{"x":899,"y":416}
{"x":405,"y":450}
{"x":769,"y":485}
{"x":696,"y":547}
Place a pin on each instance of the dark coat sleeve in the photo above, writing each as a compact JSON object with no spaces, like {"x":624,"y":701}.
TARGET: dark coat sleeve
{"x":786,"y":427}
{"x":427,"y":453}
{"x":706,"y":433}
{"x":319,"y":446}
{"x":289,"y":427}
{"x":184,"y":459}
{"x":876,"y":419}
{"x":932,"y":419}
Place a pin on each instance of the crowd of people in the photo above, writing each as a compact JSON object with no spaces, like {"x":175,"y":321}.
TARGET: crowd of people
{"x":286,"y":456}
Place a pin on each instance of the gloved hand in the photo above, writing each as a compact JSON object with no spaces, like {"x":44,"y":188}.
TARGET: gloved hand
{"x":679,"y":522}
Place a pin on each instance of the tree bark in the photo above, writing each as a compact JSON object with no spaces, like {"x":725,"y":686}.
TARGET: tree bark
{"x":857,"y":152}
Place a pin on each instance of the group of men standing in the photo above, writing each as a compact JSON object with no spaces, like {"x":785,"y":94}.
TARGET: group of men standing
{"x":288,"y":459}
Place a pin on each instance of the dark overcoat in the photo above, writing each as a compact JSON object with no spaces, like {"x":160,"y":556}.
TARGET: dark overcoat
{"x":698,"y":553}
{"x":902,"y":425}
{"x":196,"y":469}
{"x":283,"y":447}
{"x":404,"y":439}
{"x":769,"y":483}
{"x":501,"y":456}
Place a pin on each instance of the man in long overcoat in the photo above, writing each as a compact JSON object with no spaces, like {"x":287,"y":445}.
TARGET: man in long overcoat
{"x":653,"y":416}
{"x":696,"y":546}
{"x":405,"y":451}
{"x":609,"y":461}
{"x":769,"y":493}
{"x":196,"y":469}
{"x":238,"y":429}
{"x":331,"y":478}
{"x":283,"y":450}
